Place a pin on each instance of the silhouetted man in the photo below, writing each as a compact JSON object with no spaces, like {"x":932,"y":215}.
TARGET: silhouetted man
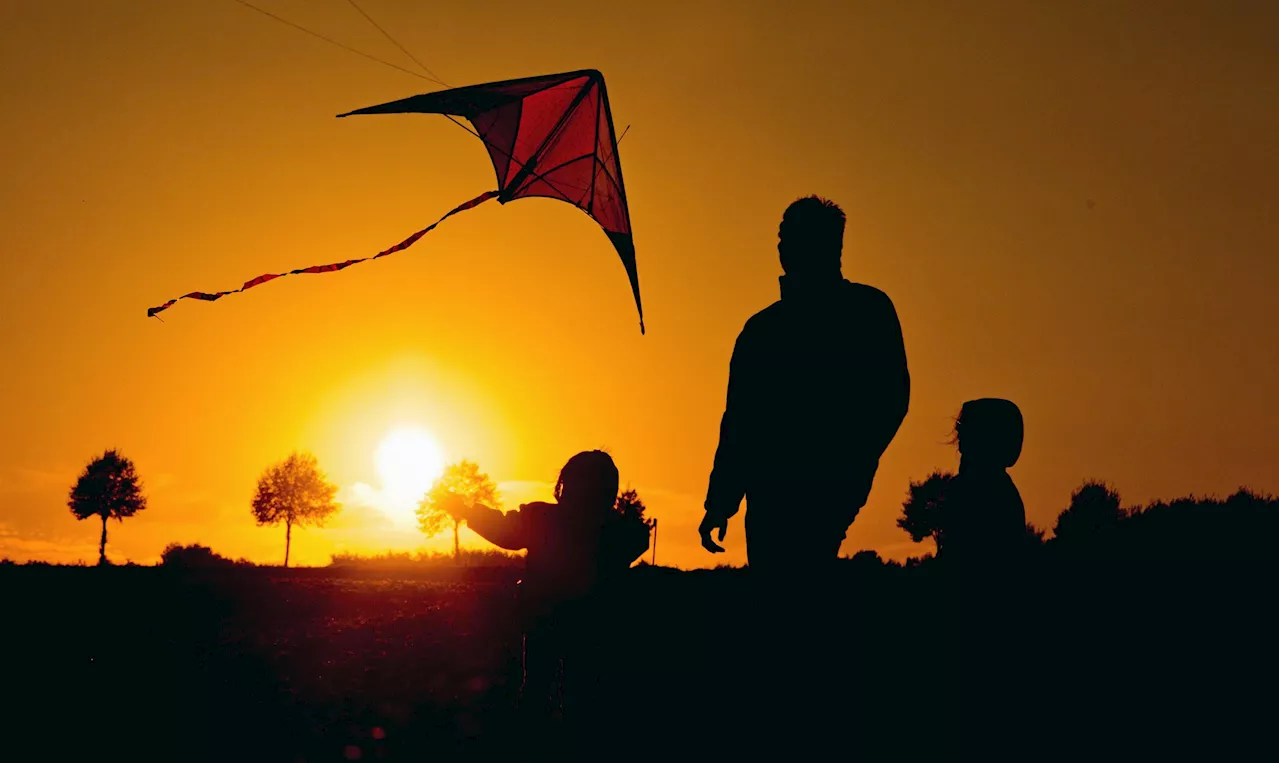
{"x":818,"y":387}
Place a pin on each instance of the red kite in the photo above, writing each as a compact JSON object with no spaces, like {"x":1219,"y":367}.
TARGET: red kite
{"x":549,"y":136}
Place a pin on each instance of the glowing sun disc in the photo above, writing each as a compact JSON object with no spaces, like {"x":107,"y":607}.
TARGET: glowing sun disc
{"x":409,"y":460}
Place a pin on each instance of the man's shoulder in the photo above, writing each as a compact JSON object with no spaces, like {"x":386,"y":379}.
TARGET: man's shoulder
{"x":860,"y":295}
{"x":867,"y":293}
{"x":764,"y":318}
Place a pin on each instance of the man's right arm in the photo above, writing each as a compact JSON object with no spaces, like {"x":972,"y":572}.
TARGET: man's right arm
{"x":891,"y":380}
{"x":728,"y":485}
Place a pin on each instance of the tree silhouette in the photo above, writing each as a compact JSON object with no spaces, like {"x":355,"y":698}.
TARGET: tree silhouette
{"x":465,"y":479}
{"x":629,"y":505}
{"x":108,"y":488}
{"x":1094,"y":508}
{"x":627,"y":531}
{"x":922,"y":512}
{"x":295,"y":492}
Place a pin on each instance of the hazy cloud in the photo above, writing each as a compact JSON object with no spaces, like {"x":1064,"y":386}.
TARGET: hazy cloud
{"x":28,"y":479}
{"x":364,"y":505}
{"x":28,"y":547}
{"x":356,"y":514}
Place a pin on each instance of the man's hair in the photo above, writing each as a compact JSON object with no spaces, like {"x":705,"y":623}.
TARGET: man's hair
{"x":590,"y":477}
{"x":814,"y":222}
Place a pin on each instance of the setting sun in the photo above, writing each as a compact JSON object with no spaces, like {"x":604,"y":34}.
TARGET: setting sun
{"x":409,"y":460}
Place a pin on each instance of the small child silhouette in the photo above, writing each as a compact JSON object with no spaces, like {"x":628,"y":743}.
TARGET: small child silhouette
{"x":985,"y":521}
{"x":983,"y":536}
{"x":574,"y":546}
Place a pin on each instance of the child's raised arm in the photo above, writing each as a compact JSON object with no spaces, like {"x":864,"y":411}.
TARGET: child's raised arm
{"x":503,"y":530}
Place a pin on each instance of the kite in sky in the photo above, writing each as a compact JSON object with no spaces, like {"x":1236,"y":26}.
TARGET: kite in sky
{"x":549,"y":136}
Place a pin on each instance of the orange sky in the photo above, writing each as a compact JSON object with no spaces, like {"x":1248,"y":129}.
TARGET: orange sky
{"x":1070,"y":204}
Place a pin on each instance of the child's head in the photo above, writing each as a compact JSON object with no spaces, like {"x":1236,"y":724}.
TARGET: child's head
{"x":989,"y":431}
{"x":589,"y":480}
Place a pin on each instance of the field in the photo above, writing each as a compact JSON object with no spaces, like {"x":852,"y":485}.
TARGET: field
{"x":139,"y":663}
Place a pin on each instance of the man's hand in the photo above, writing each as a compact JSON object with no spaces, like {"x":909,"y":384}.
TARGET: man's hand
{"x":712,"y":522}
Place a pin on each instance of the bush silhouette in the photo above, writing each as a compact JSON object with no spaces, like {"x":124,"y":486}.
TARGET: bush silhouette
{"x":925,"y":507}
{"x":1094,"y":510}
{"x":197,"y":556}
{"x":630,"y":506}
{"x":629,"y":536}
{"x":1242,"y":526}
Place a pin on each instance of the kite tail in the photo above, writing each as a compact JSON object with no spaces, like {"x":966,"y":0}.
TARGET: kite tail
{"x":408,"y":242}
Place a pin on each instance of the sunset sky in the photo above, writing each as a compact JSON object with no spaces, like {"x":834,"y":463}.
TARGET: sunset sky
{"x":1069,"y":203}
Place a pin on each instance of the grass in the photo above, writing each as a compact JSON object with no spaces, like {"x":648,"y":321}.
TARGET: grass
{"x":344,"y":663}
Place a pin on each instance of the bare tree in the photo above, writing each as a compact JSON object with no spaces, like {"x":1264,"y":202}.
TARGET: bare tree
{"x":295,"y":492}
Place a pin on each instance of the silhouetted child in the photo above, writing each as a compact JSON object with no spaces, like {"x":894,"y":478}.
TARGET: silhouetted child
{"x":983,"y":621}
{"x":985,"y":521}
{"x":574,"y":546}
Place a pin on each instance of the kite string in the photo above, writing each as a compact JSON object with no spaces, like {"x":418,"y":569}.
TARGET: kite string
{"x":429,"y":75}
{"x":424,"y":67}
{"x":334,"y":42}
{"x":396,"y":42}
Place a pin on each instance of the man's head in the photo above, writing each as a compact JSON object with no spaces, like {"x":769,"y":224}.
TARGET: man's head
{"x":989,"y":432}
{"x":811,"y":237}
{"x":589,"y":480}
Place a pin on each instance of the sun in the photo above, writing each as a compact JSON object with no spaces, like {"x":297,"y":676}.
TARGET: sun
{"x":409,"y":460}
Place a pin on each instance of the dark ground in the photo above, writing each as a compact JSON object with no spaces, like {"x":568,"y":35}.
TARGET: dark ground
{"x":1167,"y":661}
